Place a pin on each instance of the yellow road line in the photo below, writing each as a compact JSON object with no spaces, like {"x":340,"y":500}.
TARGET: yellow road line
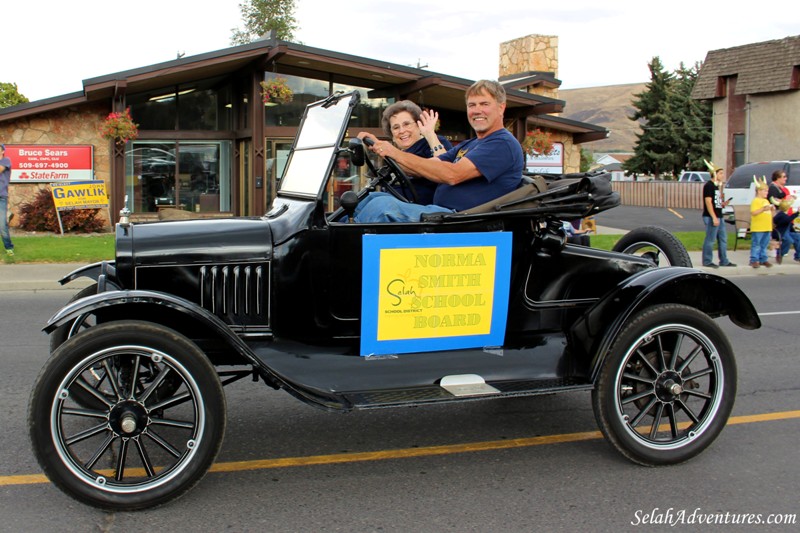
{"x":426,"y":451}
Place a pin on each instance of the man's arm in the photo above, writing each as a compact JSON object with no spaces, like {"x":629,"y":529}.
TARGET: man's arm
{"x":433,"y":169}
{"x":710,"y":208}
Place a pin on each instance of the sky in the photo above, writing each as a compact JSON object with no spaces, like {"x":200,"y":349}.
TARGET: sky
{"x":51,"y":46}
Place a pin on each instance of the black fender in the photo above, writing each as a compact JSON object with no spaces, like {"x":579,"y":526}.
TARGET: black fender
{"x":103,"y":272}
{"x":204,"y":319}
{"x":716,"y":296}
{"x":109,"y":299}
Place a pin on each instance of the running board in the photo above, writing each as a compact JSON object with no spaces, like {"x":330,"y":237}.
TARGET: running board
{"x":437,"y":394}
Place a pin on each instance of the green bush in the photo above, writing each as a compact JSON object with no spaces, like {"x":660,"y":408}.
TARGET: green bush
{"x":40,"y":215}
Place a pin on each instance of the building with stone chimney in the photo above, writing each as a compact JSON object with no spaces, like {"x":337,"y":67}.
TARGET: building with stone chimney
{"x":211,"y":144}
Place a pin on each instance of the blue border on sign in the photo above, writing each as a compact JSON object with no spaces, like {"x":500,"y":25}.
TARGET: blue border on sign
{"x":371,"y":248}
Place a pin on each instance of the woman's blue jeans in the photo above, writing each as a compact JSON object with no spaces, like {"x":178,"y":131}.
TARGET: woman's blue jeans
{"x":383,"y":207}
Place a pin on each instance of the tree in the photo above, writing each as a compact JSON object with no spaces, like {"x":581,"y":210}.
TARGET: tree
{"x":586,"y":160}
{"x":656,"y":148}
{"x":261,"y":16}
{"x":676,"y":135}
{"x":695,"y":119}
{"x":9,"y":95}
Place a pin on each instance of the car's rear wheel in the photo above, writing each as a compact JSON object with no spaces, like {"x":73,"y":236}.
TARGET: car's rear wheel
{"x":667,"y":387}
{"x":656,"y":244}
{"x":137,"y":444}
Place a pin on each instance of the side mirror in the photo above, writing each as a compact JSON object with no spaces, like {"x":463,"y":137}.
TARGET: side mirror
{"x":356,"y":149}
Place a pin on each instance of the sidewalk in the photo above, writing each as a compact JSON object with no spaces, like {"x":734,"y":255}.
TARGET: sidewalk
{"x":39,"y":276}
{"x":740,"y":257}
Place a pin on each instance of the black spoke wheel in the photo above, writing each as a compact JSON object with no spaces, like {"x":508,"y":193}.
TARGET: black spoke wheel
{"x":656,"y":244}
{"x":136,"y":445}
{"x":667,"y":387}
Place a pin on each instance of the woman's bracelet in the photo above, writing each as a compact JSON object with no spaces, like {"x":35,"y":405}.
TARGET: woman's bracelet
{"x":437,"y":148}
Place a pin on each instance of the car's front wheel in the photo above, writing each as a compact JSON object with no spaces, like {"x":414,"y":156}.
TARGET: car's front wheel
{"x":136,"y":444}
{"x":667,"y":387}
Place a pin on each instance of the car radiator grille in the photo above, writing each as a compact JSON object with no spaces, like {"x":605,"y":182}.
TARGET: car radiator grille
{"x":236,"y":293}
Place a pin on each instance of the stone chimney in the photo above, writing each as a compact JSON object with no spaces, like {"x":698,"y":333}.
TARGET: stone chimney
{"x":532,"y":56}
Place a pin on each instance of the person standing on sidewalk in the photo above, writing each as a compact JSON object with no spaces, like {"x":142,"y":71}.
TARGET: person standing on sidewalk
{"x":760,"y":225}
{"x":5,"y":177}
{"x":713,"y":202}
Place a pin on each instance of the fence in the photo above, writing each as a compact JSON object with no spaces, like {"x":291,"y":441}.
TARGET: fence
{"x":674,"y":194}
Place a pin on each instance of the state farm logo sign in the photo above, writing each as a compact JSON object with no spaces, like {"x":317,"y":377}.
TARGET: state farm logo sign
{"x":31,"y":163}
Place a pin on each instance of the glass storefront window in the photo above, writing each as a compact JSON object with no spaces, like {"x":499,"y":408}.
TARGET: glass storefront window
{"x":369,"y":110}
{"x":192,"y":176}
{"x":204,"y":105}
{"x":305,"y":91}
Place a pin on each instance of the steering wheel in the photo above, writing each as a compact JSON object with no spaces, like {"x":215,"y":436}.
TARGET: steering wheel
{"x":392,"y":177}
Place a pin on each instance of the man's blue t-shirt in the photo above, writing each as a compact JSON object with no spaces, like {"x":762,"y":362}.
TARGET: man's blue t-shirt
{"x":500,"y":161}
{"x":423,"y":187}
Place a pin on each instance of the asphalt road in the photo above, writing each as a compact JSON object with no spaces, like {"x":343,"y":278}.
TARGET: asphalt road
{"x":630,"y":217}
{"x":546,"y":485}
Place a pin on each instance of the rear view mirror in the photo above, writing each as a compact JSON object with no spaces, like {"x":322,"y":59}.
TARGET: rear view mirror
{"x":356,"y":149}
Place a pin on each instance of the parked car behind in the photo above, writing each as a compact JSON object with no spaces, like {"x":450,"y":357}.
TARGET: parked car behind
{"x":694,"y":176}
{"x":740,"y":189}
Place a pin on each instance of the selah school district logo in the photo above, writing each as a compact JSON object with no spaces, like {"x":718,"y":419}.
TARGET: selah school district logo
{"x":434,"y":292}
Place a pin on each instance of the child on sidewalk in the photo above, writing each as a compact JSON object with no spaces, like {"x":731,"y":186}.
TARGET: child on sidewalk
{"x":783,"y":226}
{"x":760,"y":224}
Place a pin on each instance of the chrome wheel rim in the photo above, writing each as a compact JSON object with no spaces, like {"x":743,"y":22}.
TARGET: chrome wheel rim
{"x":669,"y":387}
{"x":141,"y":430}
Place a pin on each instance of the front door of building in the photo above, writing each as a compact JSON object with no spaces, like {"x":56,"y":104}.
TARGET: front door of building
{"x":277,"y":155}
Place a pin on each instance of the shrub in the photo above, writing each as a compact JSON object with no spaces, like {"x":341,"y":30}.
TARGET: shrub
{"x":40,"y":215}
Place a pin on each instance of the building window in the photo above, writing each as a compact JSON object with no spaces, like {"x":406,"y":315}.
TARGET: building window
{"x":308,"y":90}
{"x":369,"y":110}
{"x":305,"y":91}
{"x":191,"y":176}
{"x":205,"y":105}
{"x":739,"y":150}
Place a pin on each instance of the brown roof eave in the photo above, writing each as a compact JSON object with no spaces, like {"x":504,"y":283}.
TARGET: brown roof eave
{"x":589,"y":136}
{"x":39,"y":107}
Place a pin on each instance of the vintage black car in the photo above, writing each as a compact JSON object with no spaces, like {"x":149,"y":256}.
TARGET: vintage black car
{"x":129,"y":410}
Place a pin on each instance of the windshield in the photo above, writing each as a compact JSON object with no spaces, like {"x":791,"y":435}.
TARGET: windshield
{"x":321,"y":132}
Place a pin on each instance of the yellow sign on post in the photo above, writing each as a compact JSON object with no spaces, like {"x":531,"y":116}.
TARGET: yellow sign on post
{"x":79,"y":195}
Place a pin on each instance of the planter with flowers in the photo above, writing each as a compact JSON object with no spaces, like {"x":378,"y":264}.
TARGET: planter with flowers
{"x":276,"y":91}
{"x":537,"y":143}
{"x":119,"y":127}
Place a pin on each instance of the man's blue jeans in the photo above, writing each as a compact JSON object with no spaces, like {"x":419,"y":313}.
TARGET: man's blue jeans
{"x":383,"y":207}
{"x":716,"y":234}
{"x":4,"y":233}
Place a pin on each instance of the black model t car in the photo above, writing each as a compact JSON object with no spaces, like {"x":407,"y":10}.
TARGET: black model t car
{"x":129,"y":410}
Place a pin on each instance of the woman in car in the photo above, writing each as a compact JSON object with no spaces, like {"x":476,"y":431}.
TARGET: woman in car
{"x":413,"y":131}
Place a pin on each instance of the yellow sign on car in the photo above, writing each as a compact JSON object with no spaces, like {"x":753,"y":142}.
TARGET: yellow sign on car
{"x":430,"y":292}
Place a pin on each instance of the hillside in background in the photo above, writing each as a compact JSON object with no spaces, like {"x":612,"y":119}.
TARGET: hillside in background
{"x":608,"y":106}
